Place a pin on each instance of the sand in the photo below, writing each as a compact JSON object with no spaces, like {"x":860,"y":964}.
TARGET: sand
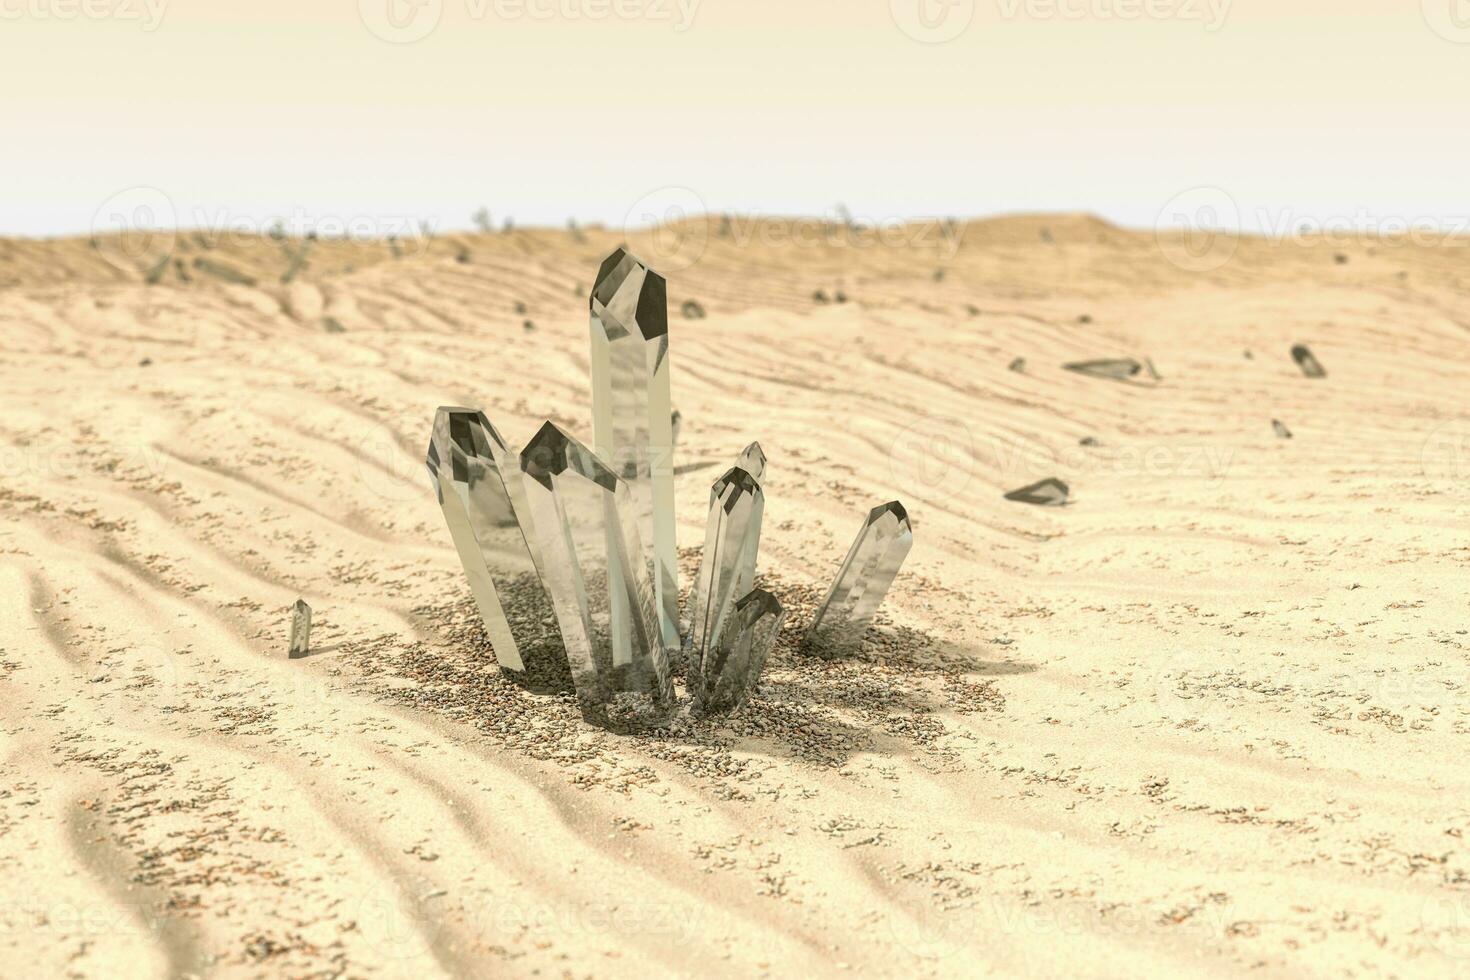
{"x":1210,"y":718}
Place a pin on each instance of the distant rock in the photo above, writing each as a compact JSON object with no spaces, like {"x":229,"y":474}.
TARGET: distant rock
{"x":1044,"y":493}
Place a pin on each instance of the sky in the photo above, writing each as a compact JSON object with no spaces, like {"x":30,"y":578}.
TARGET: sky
{"x":374,"y":115}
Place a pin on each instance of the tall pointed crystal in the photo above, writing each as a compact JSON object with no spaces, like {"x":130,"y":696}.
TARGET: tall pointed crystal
{"x":586,"y":529}
{"x":871,"y":565}
{"x":724,"y":679}
{"x":727,"y":565}
{"x":480,"y":490}
{"x":300,"y":629}
{"x":632,"y":412}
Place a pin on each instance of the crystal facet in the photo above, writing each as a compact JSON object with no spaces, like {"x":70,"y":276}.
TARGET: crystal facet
{"x":753,"y":461}
{"x":1308,"y":362}
{"x":1114,"y":370}
{"x":871,"y":565}
{"x":481,"y":492}
{"x":586,"y":528}
{"x":727,"y":564}
{"x":300,"y":629}
{"x":1050,"y":492}
{"x":1282,"y":432}
{"x":632,"y":412}
{"x":724,"y":679}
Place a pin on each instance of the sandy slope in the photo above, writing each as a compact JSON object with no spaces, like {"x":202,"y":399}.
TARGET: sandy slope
{"x":1210,"y":718}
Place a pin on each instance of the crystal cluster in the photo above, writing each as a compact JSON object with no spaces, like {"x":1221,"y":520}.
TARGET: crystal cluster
{"x":570,"y":550}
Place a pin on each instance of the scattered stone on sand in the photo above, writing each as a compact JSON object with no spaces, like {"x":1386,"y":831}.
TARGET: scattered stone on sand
{"x":1050,"y":492}
{"x":1113,"y":369}
{"x":1308,"y":362}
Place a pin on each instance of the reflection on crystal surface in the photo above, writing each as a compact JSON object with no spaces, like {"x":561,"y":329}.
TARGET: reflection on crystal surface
{"x":727,"y":564}
{"x":480,"y":490}
{"x":632,"y":412}
{"x":753,"y":461}
{"x":586,"y":530}
{"x":300,"y":629}
{"x":871,"y":565}
{"x":723,"y":679}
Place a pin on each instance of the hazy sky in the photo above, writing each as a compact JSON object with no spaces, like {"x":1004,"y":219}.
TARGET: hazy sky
{"x":374,"y":112}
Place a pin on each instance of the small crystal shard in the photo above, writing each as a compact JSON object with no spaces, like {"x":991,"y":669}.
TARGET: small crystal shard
{"x":1308,"y":362}
{"x":753,"y":461}
{"x":300,"y":629}
{"x":632,"y":412}
{"x":586,"y":530}
{"x":724,"y":679}
{"x":1282,"y":432}
{"x":1119,"y":369}
{"x":1045,"y":493}
{"x":1018,"y":365}
{"x":727,"y":564}
{"x":480,"y":490}
{"x":871,"y":565}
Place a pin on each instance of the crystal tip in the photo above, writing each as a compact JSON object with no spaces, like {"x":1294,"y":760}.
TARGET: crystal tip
{"x":892,"y":507}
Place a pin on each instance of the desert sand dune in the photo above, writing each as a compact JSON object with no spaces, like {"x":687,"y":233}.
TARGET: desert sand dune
{"x":1210,"y":717}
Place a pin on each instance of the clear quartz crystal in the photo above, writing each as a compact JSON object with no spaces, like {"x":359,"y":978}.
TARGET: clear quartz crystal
{"x":753,"y":461}
{"x":479,"y":485}
{"x":724,"y":679}
{"x":632,"y":412}
{"x":727,"y":564}
{"x":300,"y":629}
{"x":586,"y":530}
{"x":871,"y":565}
